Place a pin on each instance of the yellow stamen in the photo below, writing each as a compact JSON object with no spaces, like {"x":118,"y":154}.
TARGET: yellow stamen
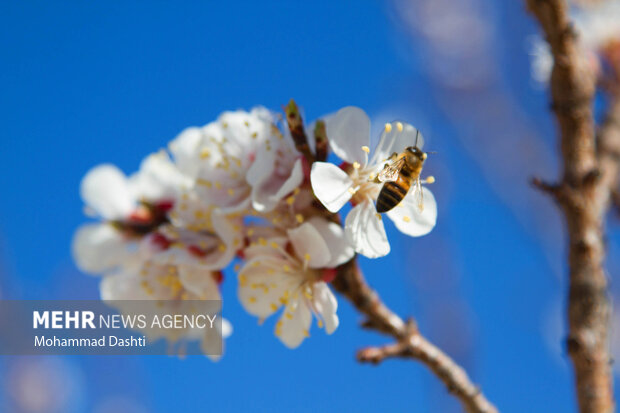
{"x":204,"y":182}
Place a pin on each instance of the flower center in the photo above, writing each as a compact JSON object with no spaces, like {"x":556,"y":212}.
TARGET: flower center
{"x":364,"y":187}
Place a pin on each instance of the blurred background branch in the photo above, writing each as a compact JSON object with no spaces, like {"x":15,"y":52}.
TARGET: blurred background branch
{"x":584,"y":194}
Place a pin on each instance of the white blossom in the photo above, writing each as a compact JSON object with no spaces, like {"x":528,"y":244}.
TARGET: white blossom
{"x":129,"y":208}
{"x":237,"y":187}
{"x":153,"y":282}
{"x":242,"y":160}
{"x":145,"y":257}
{"x":348,"y":132}
{"x":291,"y":271}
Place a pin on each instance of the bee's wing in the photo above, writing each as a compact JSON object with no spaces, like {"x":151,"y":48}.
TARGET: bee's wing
{"x":391,"y":170}
{"x":396,"y":140}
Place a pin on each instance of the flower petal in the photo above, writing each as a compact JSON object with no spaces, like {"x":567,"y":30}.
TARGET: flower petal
{"x":204,"y":250}
{"x":330,"y":185}
{"x":263,"y":166}
{"x":226,"y":328}
{"x":98,"y":248}
{"x":293,"y":326}
{"x":365,"y":231}
{"x":229,"y":235}
{"x":408,"y":218}
{"x":267,"y":195}
{"x":214,"y":337}
{"x":105,"y":189}
{"x":262,"y":283}
{"x":121,"y":286}
{"x":334,"y":237}
{"x":326,"y":305}
{"x":348,"y":130}
{"x":158,"y":178}
{"x":185,"y":149}
{"x":199,"y":281}
{"x":309,"y":244}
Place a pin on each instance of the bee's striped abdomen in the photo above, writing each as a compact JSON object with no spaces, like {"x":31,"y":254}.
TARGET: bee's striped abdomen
{"x":392,"y":193}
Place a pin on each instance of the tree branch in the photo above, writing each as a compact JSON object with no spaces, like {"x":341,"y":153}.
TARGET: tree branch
{"x":589,"y":177}
{"x":410,"y":343}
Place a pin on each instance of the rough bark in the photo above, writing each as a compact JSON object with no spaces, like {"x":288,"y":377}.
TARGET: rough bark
{"x":588,"y":180}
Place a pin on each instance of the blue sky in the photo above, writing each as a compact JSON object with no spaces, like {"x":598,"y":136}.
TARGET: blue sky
{"x":86,"y":83}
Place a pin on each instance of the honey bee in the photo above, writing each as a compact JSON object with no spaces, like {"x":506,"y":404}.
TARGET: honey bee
{"x":400,"y":174}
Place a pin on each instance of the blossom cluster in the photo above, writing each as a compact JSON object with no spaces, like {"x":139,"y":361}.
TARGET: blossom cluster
{"x":597,"y":26}
{"x":238,"y":192}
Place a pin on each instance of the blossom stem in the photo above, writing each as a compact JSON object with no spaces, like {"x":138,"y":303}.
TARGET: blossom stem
{"x":320,"y":137}
{"x":410,"y":343}
{"x":296,"y":127}
{"x":584,"y":194}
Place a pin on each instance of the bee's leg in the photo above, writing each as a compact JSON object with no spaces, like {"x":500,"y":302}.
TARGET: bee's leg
{"x":393,"y":155}
{"x":376,"y":178}
{"x":429,"y":180}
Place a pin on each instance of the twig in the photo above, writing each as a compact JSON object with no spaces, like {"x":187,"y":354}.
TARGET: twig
{"x":584,"y":195}
{"x":409,"y":341}
{"x":296,"y":127}
{"x":320,"y":137}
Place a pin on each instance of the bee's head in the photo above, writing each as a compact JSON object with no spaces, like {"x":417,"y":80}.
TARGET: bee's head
{"x":417,"y":152}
